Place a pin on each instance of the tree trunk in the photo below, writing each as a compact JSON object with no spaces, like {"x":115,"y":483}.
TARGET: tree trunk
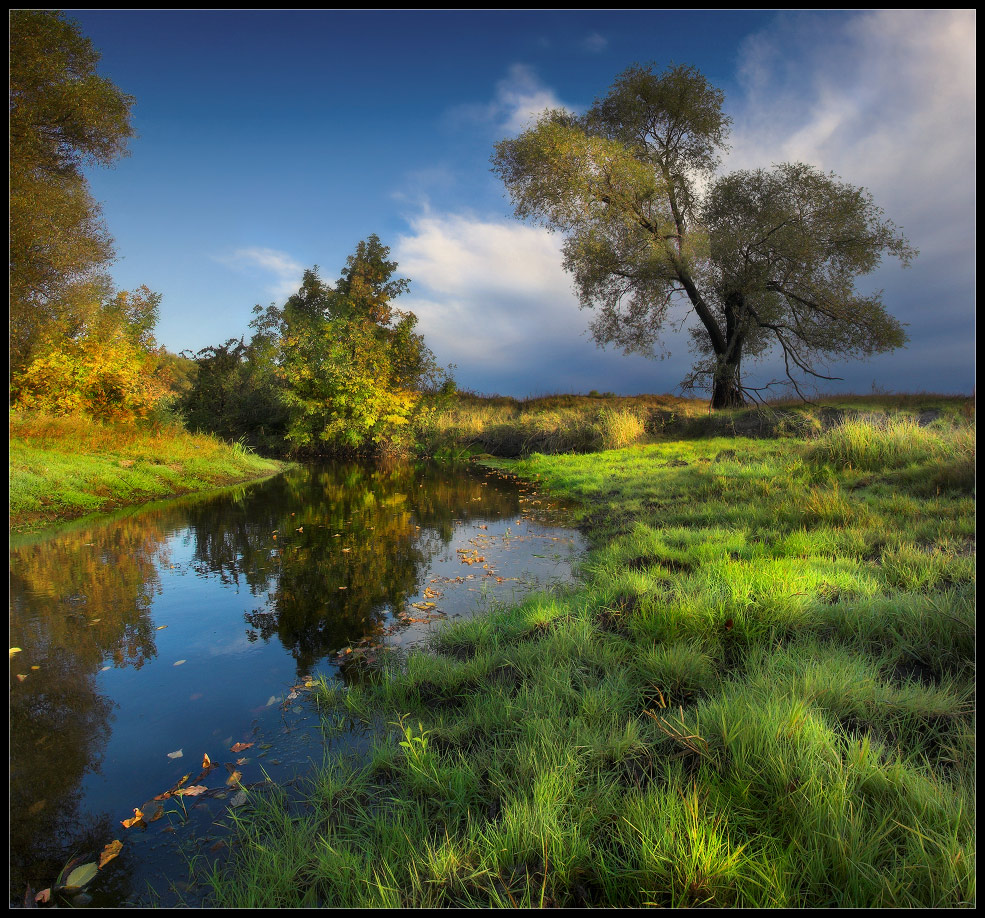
{"x":726,"y":391}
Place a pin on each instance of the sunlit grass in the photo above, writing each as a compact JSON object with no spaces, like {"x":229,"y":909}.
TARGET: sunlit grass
{"x":62,"y":467}
{"x":760,"y":695}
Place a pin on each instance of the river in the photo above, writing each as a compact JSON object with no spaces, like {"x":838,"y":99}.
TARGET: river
{"x":193,"y":628}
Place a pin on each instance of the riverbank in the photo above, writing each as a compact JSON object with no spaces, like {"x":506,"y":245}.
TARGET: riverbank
{"x":63,"y":468}
{"x":505,"y":427}
{"x":761,"y":695}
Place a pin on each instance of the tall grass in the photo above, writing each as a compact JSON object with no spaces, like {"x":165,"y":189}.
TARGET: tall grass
{"x":761,"y":695}
{"x":900,"y":442}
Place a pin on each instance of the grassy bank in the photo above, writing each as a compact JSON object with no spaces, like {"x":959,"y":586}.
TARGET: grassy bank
{"x":761,"y":694}
{"x":510,"y":427}
{"x":66,"y":467}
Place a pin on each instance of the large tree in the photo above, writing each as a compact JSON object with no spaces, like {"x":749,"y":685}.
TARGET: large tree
{"x":763,"y":259}
{"x":63,"y":116}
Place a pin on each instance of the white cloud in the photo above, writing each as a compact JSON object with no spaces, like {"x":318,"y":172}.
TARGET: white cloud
{"x":287,"y":272}
{"x":519,"y":98}
{"x":886,"y":99}
{"x":595,"y":43}
{"x":492,"y":297}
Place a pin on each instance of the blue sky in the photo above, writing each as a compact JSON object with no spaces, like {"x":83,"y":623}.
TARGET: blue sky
{"x":270,"y":142}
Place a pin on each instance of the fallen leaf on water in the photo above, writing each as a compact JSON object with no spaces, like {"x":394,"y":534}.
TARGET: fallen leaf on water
{"x":43,"y":896}
{"x":234,"y":778}
{"x":218,"y":846}
{"x":81,"y":875}
{"x":238,"y":799}
{"x":21,"y":676}
{"x":177,"y":754}
{"x":206,"y":761}
{"x":180,"y":662}
{"x":242,"y":761}
{"x":105,"y":668}
{"x":192,"y":791}
{"x":239,"y":747}
{"x":14,"y":650}
{"x":160,"y":627}
{"x":109,"y":852}
{"x":153,"y":810}
{"x":35,"y":667}
{"x":138,"y":817}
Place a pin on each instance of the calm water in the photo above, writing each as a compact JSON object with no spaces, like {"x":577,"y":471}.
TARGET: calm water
{"x":154,"y":638}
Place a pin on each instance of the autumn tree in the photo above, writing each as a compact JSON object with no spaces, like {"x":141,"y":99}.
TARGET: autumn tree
{"x":63,"y":116}
{"x":352,"y":362}
{"x":764,"y":259}
{"x":336,"y":369}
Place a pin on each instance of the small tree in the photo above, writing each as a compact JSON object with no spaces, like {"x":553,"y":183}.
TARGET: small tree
{"x":763,"y":258}
{"x":352,"y":363}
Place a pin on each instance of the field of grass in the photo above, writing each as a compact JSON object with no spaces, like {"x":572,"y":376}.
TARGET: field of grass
{"x":760,"y":694}
{"x":66,"y":467}
{"x":509,"y":427}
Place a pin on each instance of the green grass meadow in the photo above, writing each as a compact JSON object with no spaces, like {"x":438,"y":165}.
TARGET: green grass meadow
{"x":759,"y":694}
{"x":64,"y":467}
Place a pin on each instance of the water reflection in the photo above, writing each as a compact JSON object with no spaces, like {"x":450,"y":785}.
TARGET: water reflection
{"x":166,"y":629}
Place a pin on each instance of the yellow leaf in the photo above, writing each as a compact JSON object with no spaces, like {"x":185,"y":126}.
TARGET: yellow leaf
{"x":138,"y":817}
{"x":109,"y":852}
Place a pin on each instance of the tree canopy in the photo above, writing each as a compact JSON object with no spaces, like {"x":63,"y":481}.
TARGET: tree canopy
{"x":764,"y":258}
{"x":336,"y":369}
{"x":63,"y":115}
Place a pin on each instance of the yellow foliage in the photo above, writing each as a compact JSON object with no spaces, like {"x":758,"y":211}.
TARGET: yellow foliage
{"x":106,"y":379}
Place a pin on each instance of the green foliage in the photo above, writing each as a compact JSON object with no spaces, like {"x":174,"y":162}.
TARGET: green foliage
{"x":765,"y":259}
{"x":335,"y":370}
{"x":63,"y":115}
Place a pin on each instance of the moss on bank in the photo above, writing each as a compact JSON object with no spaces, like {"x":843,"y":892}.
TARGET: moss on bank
{"x":62,"y":468}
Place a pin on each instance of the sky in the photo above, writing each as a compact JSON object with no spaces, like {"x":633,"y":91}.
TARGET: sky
{"x":274,"y":141}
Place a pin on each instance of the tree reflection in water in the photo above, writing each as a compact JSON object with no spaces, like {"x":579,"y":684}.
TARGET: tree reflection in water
{"x":326,"y":555}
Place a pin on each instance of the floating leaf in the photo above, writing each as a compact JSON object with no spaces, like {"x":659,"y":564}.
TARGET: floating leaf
{"x":21,"y":677}
{"x":81,"y":875}
{"x":180,"y":662}
{"x":154,"y":809}
{"x":206,"y":761}
{"x":43,"y":896}
{"x":14,"y":650}
{"x":234,"y":778}
{"x":137,"y":818}
{"x":192,"y":791}
{"x":109,"y":852}
{"x":177,"y":754}
{"x":242,"y":761}
{"x":160,"y":627}
{"x":239,"y":747}
{"x":238,"y":799}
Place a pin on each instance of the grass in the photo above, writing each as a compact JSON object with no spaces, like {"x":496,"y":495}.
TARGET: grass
{"x":555,"y":424}
{"x":64,"y":467}
{"x":760,"y":695}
